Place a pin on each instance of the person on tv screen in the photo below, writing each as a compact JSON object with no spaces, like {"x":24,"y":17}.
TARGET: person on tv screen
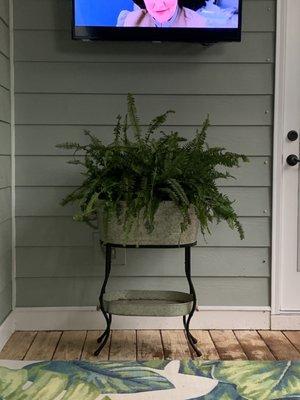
{"x":164,"y":14}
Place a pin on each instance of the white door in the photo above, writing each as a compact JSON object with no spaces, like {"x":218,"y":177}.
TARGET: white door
{"x":287,"y":177}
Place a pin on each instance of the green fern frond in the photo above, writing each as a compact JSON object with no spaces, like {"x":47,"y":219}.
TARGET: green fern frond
{"x":201,"y":135}
{"x":117,"y":130}
{"x":95,"y":141}
{"x":70,"y":146}
{"x":177,"y":188}
{"x":133,"y":117}
{"x":156,"y":123}
{"x":124,"y":130}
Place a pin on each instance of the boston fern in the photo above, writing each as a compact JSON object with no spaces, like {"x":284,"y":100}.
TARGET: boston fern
{"x":143,"y":167}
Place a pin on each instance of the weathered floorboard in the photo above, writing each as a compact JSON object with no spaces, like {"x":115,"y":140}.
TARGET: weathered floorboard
{"x":70,"y":345}
{"x":153,"y":344}
{"x":175,"y":344}
{"x":294,"y":338}
{"x":253,"y":345}
{"x":227,"y":345}
{"x":149,"y":345}
{"x":17,"y":346}
{"x":123,"y":345}
{"x":279,"y":345}
{"x":91,"y":345}
{"x":206,"y":345}
{"x":43,"y":346}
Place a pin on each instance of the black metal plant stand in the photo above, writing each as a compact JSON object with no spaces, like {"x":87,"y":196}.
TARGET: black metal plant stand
{"x":127,"y":302}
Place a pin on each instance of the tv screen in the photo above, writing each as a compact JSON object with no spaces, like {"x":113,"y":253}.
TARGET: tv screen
{"x":203,"y":21}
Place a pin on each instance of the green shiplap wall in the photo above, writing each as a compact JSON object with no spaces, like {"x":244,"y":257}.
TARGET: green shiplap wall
{"x":5,"y":166}
{"x":63,"y":86}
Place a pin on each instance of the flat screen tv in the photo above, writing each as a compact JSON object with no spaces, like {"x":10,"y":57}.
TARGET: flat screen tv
{"x":203,"y":21}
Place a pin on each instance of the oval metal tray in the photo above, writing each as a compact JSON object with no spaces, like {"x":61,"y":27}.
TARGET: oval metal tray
{"x":156,"y":303}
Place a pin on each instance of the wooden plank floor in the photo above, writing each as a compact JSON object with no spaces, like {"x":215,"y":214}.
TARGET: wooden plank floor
{"x":153,"y":344}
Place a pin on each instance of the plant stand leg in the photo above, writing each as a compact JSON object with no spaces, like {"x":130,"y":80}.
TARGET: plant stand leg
{"x":104,"y":337}
{"x":187,"y":330}
{"x":186,"y":322}
{"x":108,"y":323}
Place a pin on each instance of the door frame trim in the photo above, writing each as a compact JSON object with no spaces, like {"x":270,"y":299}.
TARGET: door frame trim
{"x":281,"y":77}
{"x":277,"y":155}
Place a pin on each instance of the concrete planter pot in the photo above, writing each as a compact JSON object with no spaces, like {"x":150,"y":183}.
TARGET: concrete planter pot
{"x":167,"y":230}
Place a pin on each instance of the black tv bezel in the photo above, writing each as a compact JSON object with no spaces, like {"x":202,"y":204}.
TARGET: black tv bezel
{"x":195,"y":35}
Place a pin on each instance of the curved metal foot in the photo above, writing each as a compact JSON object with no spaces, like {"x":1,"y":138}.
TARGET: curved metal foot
{"x":195,"y":348}
{"x":188,"y":332}
{"x":105,"y":339}
{"x":100,"y":338}
{"x":190,"y":337}
{"x":105,"y":335}
{"x":193,"y":339}
{"x":108,"y":321}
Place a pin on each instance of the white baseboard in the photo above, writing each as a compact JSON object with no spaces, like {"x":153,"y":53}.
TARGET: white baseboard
{"x":7,"y":328}
{"x":87,"y":318}
{"x":287,"y":321}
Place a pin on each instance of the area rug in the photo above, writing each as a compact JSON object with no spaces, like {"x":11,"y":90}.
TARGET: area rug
{"x":153,"y":380}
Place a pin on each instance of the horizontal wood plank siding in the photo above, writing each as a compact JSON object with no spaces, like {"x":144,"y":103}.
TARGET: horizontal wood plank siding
{"x":71,"y":261}
{"x":34,"y":108}
{"x":56,"y":46}
{"x":5,"y":301}
{"x":5,"y":237}
{"x":4,"y":11}
{"x":4,"y":38}
{"x":5,"y":270}
{"x":4,"y":71}
{"x":54,"y":171}
{"x":5,"y":138}
{"x":40,"y":77}
{"x":5,"y":171}
{"x":84,"y":291}
{"x":35,"y":201}
{"x":257,"y":140}
{"x":63,"y":231}
{"x":5,"y":201}
{"x":5,"y":104}
{"x":5,"y":166}
{"x":64,"y":86}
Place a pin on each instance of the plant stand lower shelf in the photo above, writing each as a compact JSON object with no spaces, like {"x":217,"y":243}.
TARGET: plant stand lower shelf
{"x":148,"y":303}
{"x":156,"y":303}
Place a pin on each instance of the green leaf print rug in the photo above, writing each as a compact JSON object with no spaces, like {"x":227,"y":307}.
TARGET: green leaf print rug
{"x":152,"y":380}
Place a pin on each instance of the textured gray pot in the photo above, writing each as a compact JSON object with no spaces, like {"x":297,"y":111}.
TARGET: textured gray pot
{"x":167,"y":231}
